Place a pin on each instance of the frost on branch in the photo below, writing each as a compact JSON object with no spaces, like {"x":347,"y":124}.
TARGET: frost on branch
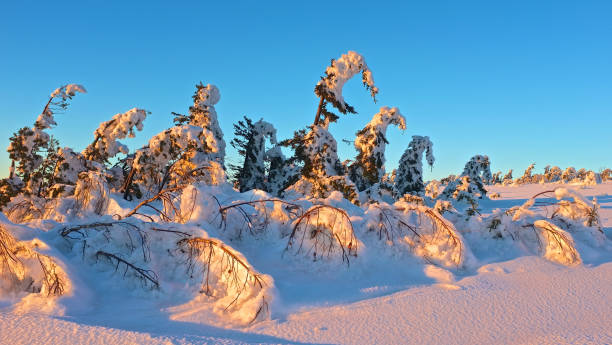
{"x":369,"y":166}
{"x":409,"y":175}
{"x":105,"y":144}
{"x":329,"y":88}
{"x":250,"y":142}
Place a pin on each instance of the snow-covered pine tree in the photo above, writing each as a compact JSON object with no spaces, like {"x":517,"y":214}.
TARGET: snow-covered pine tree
{"x":193,"y":149}
{"x":316,"y":149}
{"x":552,"y":174}
{"x":409,"y":175}
{"x":369,"y":166}
{"x":508,"y":179}
{"x":250,"y":142}
{"x":203,"y":114}
{"x":526,"y":178}
{"x":329,"y":88}
{"x":496,"y":178}
{"x":33,"y":153}
{"x":569,"y":174}
{"x":477,"y":170}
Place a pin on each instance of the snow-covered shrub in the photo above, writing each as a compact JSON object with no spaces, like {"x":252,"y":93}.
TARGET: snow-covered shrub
{"x":254,"y":216}
{"x":239,"y":293}
{"x":409,"y":174}
{"x":323,"y":232}
{"x":218,"y":278}
{"x":91,"y":193}
{"x":250,"y":142}
{"x":369,"y":166}
{"x":24,"y":270}
{"x":553,"y":237}
{"x":423,"y":229}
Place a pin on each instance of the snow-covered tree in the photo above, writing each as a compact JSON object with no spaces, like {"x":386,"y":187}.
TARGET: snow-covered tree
{"x":432,"y":189}
{"x":409,"y":175}
{"x":552,"y":174}
{"x":369,"y":166}
{"x":250,"y":142}
{"x":32,"y":150}
{"x":527,"y":177}
{"x":329,"y":88}
{"x":193,"y":149}
{"x":203,"y":114}
{"x":476,"y":170}
{"x":569,"y":174}
{"x":496,"y":178}
{"x":508,"y":179}
{"x":316,"y":149}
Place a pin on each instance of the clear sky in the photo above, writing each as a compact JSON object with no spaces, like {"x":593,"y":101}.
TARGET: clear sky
{"x":519,"y":81}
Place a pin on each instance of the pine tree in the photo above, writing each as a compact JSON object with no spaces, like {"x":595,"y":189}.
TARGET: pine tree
{"x":193,"y":149}
{"x":33,"y":152}
{"x":329,"y":88}
{"x":508,"y":179}
{"x":315,"y":148}
{"x":471,"y":181}
{"x":409,"y":176}
{"x":527,"y":177}
{"x":369,"y":166}
{"x":250,"y":142}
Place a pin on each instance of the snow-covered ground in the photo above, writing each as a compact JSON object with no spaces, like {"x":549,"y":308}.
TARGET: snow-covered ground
{"x":387,"y":300}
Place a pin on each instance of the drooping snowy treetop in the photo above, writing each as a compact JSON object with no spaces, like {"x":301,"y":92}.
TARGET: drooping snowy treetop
{"x":369,"y":166}
{"x":105,"y":144}
{"x":409,"y":174}
{"x":329,"y":88}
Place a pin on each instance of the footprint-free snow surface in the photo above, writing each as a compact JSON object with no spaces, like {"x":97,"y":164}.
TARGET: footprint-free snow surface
{"x":501,"y":298}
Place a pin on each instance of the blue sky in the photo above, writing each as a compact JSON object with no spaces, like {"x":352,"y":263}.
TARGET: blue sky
{"x":520,"y":81}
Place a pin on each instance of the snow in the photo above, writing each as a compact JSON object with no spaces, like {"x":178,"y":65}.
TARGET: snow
{"x":387,"y":295}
